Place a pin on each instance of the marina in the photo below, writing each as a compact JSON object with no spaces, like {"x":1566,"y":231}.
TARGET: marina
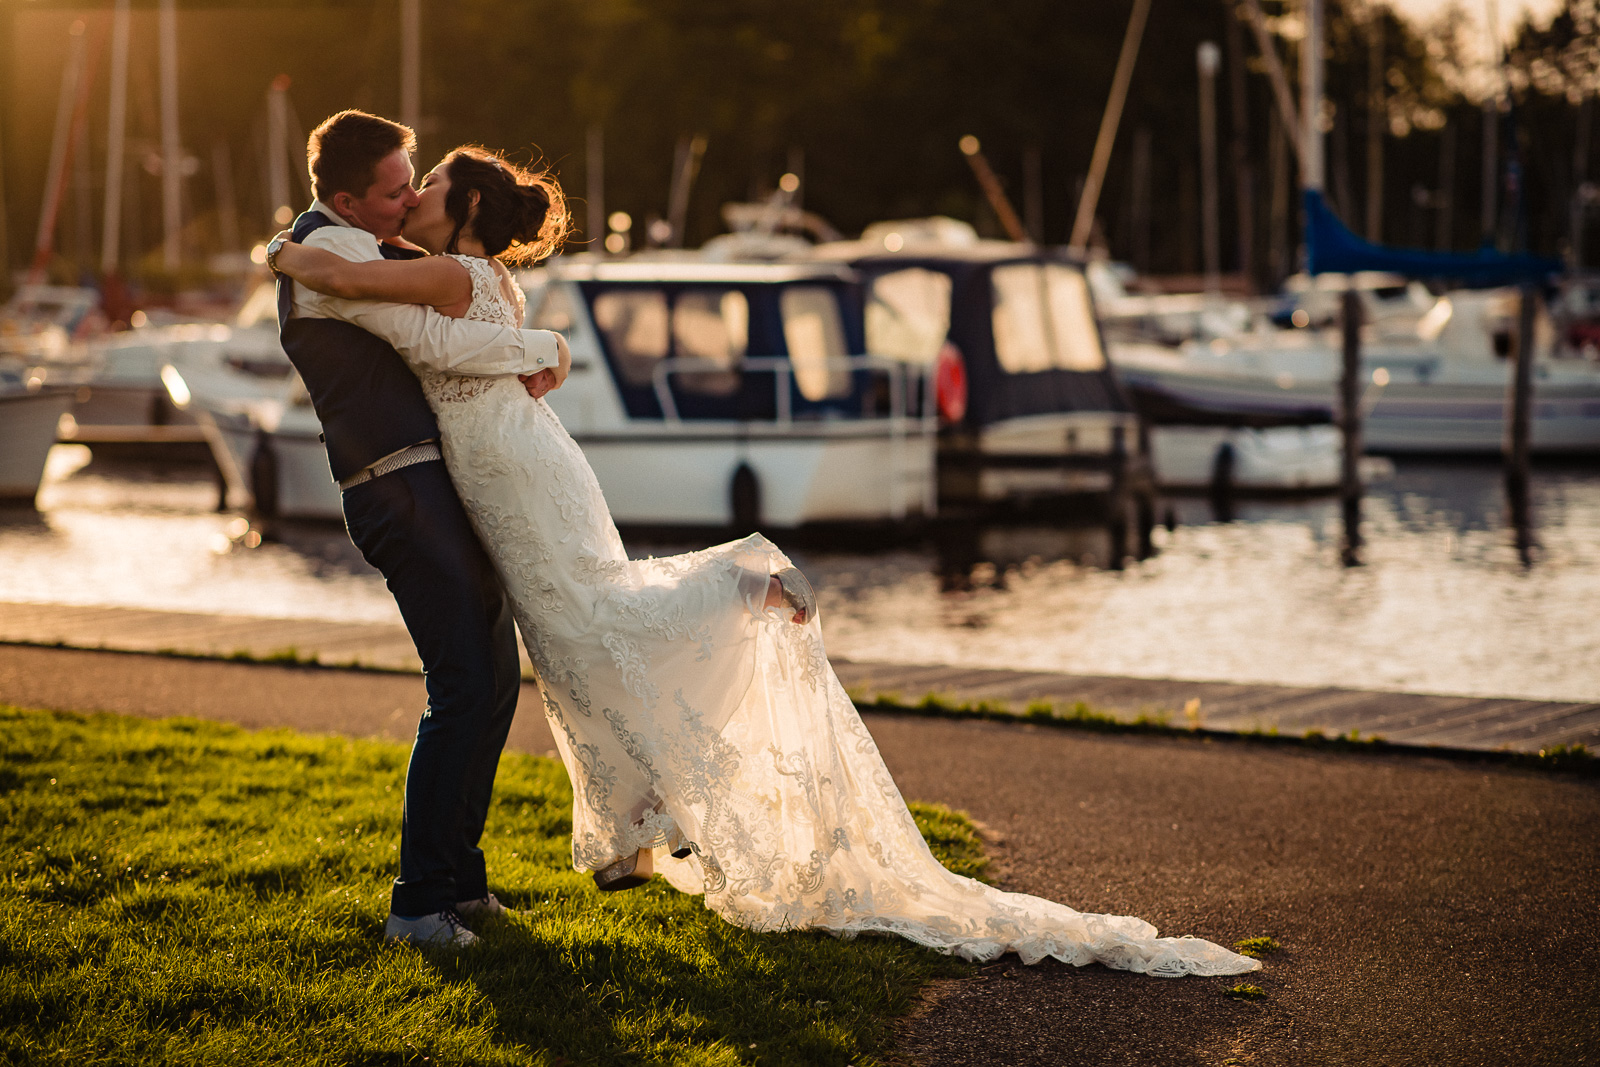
{"x":1187,"y":452}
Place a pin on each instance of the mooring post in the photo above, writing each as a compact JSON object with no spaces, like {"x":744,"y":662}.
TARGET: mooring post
{"x":1519,"y":420}
{"x":1350,"y":423}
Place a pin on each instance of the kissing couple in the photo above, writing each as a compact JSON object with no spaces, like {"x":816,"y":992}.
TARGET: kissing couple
{"x":705,"y":733}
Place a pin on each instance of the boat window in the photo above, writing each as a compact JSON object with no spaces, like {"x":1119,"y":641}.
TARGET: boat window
{"x":908,"y":314}
{"x":554,"y":310}
{"x":1021,"y":333}
{"x":814,"y":332}
{"x":711,"y":325}
{"x":634,"y":323}
{"x":1077,"y":339}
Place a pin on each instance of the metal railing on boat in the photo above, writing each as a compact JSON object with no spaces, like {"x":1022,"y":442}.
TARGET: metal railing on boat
{"x":901,"y":423}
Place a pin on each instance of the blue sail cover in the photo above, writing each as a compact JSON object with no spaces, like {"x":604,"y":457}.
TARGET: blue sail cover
{"x":1332,"y":249}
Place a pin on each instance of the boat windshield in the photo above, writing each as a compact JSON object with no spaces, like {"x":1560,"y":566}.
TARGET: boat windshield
{"x":712,"y":325}
{"x":644,"y":325}
{"x":1077,"y":338}
{"x":908,"y":315}
{"x":1022,"y":340}
{"x":635,"y":325}
{"x":1043,"y":319}
{"x":814,"y":332}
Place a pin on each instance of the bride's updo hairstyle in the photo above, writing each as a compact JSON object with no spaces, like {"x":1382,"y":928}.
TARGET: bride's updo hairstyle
{"x":521,"y":216}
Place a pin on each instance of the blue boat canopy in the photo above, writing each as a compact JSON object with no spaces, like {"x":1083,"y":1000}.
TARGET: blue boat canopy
{"x":1332,"y":249}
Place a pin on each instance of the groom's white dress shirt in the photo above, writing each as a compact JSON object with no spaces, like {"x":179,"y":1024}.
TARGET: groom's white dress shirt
{"x":420,"y":334}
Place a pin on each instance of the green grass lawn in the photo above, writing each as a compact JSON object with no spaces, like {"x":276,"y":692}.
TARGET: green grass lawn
{"x":192,"y":893}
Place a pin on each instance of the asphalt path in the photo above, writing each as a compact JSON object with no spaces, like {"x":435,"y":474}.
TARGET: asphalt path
{"x":1430,"y":911}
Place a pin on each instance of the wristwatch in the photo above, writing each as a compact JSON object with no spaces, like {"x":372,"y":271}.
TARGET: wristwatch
{"x":274,"y":246}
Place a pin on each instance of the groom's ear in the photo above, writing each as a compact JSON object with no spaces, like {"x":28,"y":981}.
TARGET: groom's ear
{"x":342,"y":203}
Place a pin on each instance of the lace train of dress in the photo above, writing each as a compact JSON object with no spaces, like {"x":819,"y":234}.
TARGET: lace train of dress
{"x":687,"y":714}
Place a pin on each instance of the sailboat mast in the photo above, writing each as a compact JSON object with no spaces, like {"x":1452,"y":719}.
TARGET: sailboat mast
{"x":1311,"y":90}
{"x":278,"y":151}
{"x":1083,"y":224}
{"x":1490,"y":202}
{"x":410,"y":63}
{"x":60,"y":144}
{"x":171,"y":150}
{"x":116,"y":132}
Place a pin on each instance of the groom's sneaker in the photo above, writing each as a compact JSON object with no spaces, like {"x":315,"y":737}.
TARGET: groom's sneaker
{"x":487,"y":906}
{"x":443,"y":929}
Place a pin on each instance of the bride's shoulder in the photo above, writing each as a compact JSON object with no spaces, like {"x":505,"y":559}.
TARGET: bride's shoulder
{"x":492,"y":283}
{"x":482,"y":271}
{"x":506,"y":284}
{"x":475,"y":265}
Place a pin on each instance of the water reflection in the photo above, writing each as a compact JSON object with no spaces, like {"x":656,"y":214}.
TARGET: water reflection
{"x":1445,"y":599}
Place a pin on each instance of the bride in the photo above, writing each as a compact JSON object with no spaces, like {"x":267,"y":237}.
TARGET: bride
{"x":705,"y":733}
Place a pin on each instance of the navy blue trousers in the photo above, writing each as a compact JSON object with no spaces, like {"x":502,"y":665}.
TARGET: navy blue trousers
{"x":410,"y":525}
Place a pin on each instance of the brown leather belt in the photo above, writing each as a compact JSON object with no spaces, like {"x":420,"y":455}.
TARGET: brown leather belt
{"x":424,"y":452}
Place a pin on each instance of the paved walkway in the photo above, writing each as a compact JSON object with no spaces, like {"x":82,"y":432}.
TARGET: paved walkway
{"x":1401,"y":718}
{"x":1432,"y":912}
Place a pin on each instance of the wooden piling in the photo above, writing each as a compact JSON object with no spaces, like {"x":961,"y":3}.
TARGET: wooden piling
{"x":1519,"y":402}
{"x":1350,"y":423}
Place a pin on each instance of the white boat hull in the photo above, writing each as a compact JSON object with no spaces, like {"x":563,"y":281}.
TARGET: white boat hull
{"x":1443,"y":390}
{"x":304,"y":483}
{"x":686,"y":479}
{"x":27,"y":431}
{"x":1405,"y":417}
{"x":1282,"y":459}
{"x":648,"y":481}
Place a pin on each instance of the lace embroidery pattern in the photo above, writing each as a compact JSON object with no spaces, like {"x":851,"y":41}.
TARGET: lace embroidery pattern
{"x":757,"y":761}
{"x":487,"y":306}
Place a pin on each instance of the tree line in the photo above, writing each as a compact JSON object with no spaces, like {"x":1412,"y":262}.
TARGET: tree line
{"x":865,"y":99}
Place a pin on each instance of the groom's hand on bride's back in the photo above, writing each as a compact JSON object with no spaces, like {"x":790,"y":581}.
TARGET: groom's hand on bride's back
{"x":538,"y":384}
{"x":541,"y":382}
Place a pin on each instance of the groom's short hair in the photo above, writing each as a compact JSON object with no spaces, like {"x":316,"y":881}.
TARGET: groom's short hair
{"x":343,"y":152}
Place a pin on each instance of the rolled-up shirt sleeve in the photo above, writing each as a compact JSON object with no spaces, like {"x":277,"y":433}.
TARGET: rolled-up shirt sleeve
{"x":421,"y":335}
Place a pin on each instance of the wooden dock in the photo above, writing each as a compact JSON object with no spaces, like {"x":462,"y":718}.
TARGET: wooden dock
{"x":1418,"y":719}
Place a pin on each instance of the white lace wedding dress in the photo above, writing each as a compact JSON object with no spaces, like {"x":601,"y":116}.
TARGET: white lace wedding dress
{"x":688,"y":716}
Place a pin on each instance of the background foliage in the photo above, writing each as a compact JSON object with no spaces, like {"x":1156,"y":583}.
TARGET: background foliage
{"x":868,"y":97}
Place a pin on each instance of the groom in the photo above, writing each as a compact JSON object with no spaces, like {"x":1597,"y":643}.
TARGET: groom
{"x":403,"y":513}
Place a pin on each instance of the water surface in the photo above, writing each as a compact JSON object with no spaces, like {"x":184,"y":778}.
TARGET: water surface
{"x":1441,"y":603}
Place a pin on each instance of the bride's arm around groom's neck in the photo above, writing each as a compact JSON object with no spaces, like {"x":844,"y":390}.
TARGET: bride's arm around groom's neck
{"x":420,"y":334}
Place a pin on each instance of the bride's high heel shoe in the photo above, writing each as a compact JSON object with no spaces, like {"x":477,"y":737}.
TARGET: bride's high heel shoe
{"x":798,"y":596}
{"x":629,"y":872}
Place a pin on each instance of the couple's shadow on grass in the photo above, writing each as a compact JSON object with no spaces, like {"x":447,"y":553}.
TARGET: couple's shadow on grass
{"x":647,"y":975}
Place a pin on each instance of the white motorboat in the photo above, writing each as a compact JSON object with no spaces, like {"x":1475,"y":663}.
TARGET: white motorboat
{"x":271,"y":455}
{"x":258,"y":420}
{"x":714,"y":394}
{"x":40,"y":323}
{"x":1440,"y":389}
{"x":1166,"y":318}
{"x":1029,"y":409}
{"x":703,"y":395}
{"x":29,"y":412}
{"x":123,"y":399}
